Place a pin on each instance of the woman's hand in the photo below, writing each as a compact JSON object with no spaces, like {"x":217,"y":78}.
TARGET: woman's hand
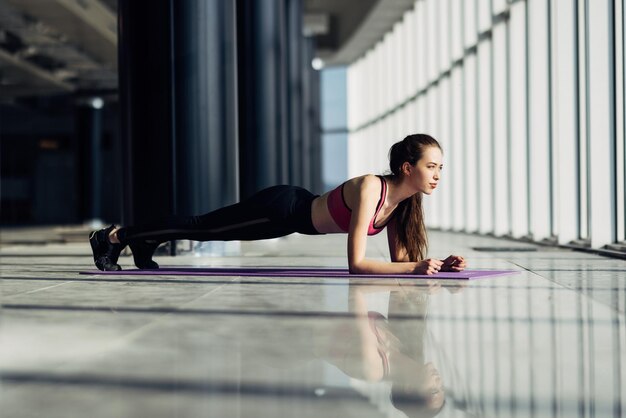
{"x":428,"y":266}
{"x":453,"y":263}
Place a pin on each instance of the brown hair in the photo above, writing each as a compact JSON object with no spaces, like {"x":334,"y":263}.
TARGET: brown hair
{"x":410,"y":227}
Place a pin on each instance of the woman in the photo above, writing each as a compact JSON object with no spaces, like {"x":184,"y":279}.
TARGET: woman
{"x":361,"y":206}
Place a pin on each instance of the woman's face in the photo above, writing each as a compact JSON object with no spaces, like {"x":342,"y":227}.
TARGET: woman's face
{"x":433,"y":387}
{"x":426,"y":172}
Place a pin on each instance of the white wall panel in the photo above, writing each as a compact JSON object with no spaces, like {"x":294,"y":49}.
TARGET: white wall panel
{"x":456,"y":29}
{"x":412,"y":120}
{"x":410,"y":41}
{"x":420,"y":114}
{"x":397,"y":65}
{"x":388,"y":79}
{"x":443,"y":49}
{"x":402,"y":123}
{"x":620,"y":138}
{"x":434,"y":43}
{"x":500,"y":131}
{"x":384,"y":133}
{"x":518,"y":122}
{"x":421,"y":43}
{"x":378,"y":82}
{"x":455,"y":153}
{"x":470,"y":28}
{"x":432,"y":202}
{"x":368,"y":72}
{"x":484,"y":15}
{"x":471,"y":166}
{"x":485,"y":138}
{"x":539,"y":119}
{"x":583,"y":115}
{"x":601,"y":120}
{"x":444,"y":132}
{"x":499,"y":6}
{"x":564,"y":126}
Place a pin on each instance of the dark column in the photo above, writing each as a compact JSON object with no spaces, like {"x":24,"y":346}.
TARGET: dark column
{"x":315,"y":129}
{"x":89,"y":140}
{"x":146,"y":109}
{"x":262,"y":126}
{"x":282,"y":84}
{"x":294,"y":108}
{"x":205,"y":113}
{"x":178,"y":106}
{"x":305,"y":155}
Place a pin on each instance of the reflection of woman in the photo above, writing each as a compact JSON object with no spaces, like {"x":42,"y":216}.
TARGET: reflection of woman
{"x":360,"y":207}
{"x":417,"y":388}
{"x":379,"y":349}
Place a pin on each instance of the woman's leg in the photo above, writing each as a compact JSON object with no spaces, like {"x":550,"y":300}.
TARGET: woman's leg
{"x":264,"y":215}
{"x":270,"y":213}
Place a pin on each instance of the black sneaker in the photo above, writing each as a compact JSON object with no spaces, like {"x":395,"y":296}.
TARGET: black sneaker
{"x":142,"y":254}
{"x":105,"y":253}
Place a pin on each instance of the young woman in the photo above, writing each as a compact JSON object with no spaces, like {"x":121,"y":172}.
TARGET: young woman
{"x":361,"y":206}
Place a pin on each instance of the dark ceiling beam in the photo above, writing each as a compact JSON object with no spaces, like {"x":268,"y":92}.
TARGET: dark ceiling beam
{"x":20,"y":77}
{"x":88,"y":24}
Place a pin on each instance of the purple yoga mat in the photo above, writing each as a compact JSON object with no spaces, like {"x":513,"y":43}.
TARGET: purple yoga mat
{"x":297,"y":272}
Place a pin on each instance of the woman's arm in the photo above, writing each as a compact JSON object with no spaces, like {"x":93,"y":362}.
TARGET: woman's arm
{"x":396,"y":252}
{"x":363,"y":210}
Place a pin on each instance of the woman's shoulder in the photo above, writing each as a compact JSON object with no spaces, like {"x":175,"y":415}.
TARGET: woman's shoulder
{"x":366,"y":180}
{"x":367,"y":183}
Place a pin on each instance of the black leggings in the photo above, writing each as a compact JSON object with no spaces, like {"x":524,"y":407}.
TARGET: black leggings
{"x":273,"y":212}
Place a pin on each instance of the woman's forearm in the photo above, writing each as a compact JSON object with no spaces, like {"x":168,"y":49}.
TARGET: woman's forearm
{"x":366,"y":266}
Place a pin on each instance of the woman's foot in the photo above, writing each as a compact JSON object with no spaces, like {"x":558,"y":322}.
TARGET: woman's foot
{"x":105,"y":253}
{"x":142,"y":254}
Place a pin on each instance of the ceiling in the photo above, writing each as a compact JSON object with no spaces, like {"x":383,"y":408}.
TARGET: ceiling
{"x":52,"y":47}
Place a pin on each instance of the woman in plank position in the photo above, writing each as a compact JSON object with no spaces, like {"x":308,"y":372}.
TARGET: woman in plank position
{"x":361,"y":206}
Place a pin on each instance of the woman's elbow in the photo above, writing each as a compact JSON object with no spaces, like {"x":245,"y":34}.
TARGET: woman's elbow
{"x":356,"y":268}
{"x":353,"y":270}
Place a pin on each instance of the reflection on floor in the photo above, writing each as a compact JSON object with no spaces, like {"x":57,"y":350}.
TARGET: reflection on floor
{"x":548,"y":342}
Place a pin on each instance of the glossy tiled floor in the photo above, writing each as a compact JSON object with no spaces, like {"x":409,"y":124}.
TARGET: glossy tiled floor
{"x":547,"y":342}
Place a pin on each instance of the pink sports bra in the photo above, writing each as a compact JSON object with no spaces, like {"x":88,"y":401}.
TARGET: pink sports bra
{"x":341,"y":213}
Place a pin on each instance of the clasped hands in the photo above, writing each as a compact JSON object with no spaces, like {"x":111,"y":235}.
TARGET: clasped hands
{"x":453,"y":263}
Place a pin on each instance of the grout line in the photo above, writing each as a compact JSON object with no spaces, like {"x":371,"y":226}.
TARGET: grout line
{"x":38,"y":290}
